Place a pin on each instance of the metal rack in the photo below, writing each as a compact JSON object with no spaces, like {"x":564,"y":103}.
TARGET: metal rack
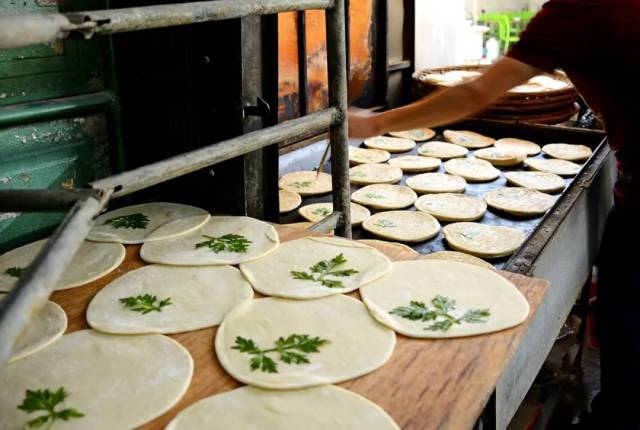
{"x":33,"y":289}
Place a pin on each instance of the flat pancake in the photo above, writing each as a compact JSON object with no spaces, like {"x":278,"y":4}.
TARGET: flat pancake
{"x":289,"y":200}
{"x":452,"y":207}
{"x":519,"y":201}
{"x":318,"y":211}
{"x":565,"y":151}
{"x":390,"y":144}
{"x":473,"y":170}
{"x":365,"y":174}
{"x":306,"y":183}
{"x":501,"y":156}
{"x":367,"y":156}
{"x":530,"y":148}
{"x":417,"y":135}
{"x":541,"y":181}
{"x":468,"y":139}
{"x":385,"y":196}
{"x":437,"y":183}
{"x":559,"y":167}
{"x":415,"y":163}
{"x":485,"y":241}
{"x":442,"y":150}
{"x":460,"y":257}
{"x":402,"y":226}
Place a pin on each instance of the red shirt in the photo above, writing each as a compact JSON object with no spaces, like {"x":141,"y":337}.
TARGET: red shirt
{"x":597,"y":43}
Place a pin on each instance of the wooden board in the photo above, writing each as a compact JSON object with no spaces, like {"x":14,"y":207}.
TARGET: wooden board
{"x":427,"y":384}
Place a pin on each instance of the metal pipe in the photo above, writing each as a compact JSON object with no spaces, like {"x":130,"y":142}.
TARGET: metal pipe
{"x":155,"y":173}
{"x":327,"y":224}
{"x":337,"y":67}
{"x":37,"y":283}
{"x":42,"y":200}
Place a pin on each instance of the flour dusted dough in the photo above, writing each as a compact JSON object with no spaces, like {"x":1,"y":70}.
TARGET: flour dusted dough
{"x":182,"y":251}
{"x":437,"y":183}
{"x":452,"y":207}
{"x":472,"y":170}
{"x":403,"y":226}
{"x":385,"y":196}
{"x":289,"y":200}
{"x":306,"y":182}
{"x":486,"y":241}
{"x":559,"y":167}
{"x":166,"y":220}
{"x":318,"y":211}
{"x":460,"y":257}
{"x":442,"y":150}
{"x":316,"y":408}
{"x":415,"y":163}
{"x":272,"y":276}
{"x":541,"y":181}
{"x":417,"y":135}
{"x":468,"y":139}
{"x":357,"y":343}
{"x":530,"y":148}
{"x":390,"y":144}
{"x":364,"y":155}
{"x":470,"y":286}
{"x":501,"y":156}
{"x":519,"y":201}
{"x":117,"y":382}
{"x":365,"y":174}
{"x":200,"y":298}
{"x":565,"y":151}
{"x":92,"y":261}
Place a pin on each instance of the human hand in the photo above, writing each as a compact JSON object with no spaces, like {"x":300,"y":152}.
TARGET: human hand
{"x":363,"y":123}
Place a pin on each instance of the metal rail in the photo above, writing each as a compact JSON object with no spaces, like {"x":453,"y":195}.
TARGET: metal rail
{"x":42,"y":200}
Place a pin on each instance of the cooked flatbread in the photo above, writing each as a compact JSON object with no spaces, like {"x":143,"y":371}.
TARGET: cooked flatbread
{"x":565,"y":151}
{"x":485,"y":241}
{"x":364,"y":174}
{"x":541,"y":181}
{"x":318,"y":211}
{"x":415,"y":163}
{"x":442,"y":150}
{"x":452,"y":207}
{"x":289,"y":200}
{"x":460,"y":257}
{"x":417,"y":135}
{"x":473,"y":170}
{"x":468,"y":139}
{"x":402,"y":226}
{"x":519,"y":201}
{"x":367,"y":156}
{"x":501,"y":156}
{"x":559,"y":167}
{"x":385,"y":196}
{"x":306,"y":183}
{"x":437,"y":183}
{"x":530,"y":148}
{"x":390,"y":144}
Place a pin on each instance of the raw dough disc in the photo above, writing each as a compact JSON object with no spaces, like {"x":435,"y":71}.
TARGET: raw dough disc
{"x":45,"y":327}
{"x":565,"y":151}
{"x":117,"y":382}
{"x":403,"y":226}
{"x":452,"y":207}
{"x":468,"y":139}
{"x":417,"y":135}
{"x":485,"y":241}
{"x":442,"y":150}
{"x":289,"y":200}
{"x":367,"y":156}
{"x":460,"y":257}
{"x":200,"y":298}
{"x":541,"y":181}
{"x":92,"y":261}
{"x":529,"y":148}
{"x":318,"y":211}
{"x":472,"y":170}
{"x":316,"y":408}
{"x":415,"y":163}
{"x":390,"y":144}
{"x":437,"y":183}
{"x":385,"y":196}
{"x":166,"y":220}
{"x":182,"y":251}
{"x":559,"y":167}
{"x":501,"y":156}
{"x":357,"y":343}
{"x":395,"y":248}
{"x":470,"y":286}
{"x":306,"y":183}
{"x":519,"y":201}
{"x":364,"y":174}
{"x":272,"y":275}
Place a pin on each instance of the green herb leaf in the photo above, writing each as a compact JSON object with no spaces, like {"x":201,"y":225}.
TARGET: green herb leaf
{"x":358,"y":174}
{"x":326,"y":268}
{"x":374,"y":196}
{"x":475,"y":316}
{"x":228,"y":242}
{"x":321,"y":211}
{"x":47,"y":401}
{"x":440,"y":314}
{"x":134,"y":221}
{"x":16,"y":272}
{"x":300,"y":184}
{"x":302,"y":343}
{"x":145,"y":303}
{"x":384,"y":223}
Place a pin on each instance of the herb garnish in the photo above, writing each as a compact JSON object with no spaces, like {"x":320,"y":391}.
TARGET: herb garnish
{"x":46,"y":400}
{"x":326,"y":268}
{"x":228,"y":242}
{"x":442,"y":307}
{"x":145,"y":304}
{"x":300,"y":184}
{"x":384,"y":223}
{"x":16,"y":272}
{"x":321,"y":211}
{"x":359,"y":174}
{"x":283,"y":346}
{"x":470,"y":235}
{"x":134,"y":221}
{"x":374,"y":196}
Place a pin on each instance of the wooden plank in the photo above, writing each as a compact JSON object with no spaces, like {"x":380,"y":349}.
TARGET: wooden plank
{"x":427,"y":384}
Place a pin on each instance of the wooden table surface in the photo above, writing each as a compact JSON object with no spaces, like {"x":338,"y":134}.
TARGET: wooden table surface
{"x":427,"y":384}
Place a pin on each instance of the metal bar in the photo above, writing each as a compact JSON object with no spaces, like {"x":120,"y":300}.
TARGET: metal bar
{"x":303,"y":101}
{"x":337,"y":68}
{"x":35,"y":286}
{"x":155,"y":173}
{"x":42,"y":200}
{"x":327,"y":224}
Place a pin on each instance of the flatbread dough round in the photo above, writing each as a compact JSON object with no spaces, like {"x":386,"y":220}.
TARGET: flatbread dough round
{"x":390,"y":144}
{"x":92,"y":261}
{"x":356,"y":345}
{"x":403,"y":226}
{"x":460,"y":257}
{"x":385,"y":196}
{"x":200,"y":297}
{"x":519,"y":201}
{"x":541,"y":181}
{"x":473,"y":170}
{"x":289,"y":200}
{"x":191,"y":250}
{"x":386,"y":246}
{"x":565,"y":151}
{"x":318,"y":211}
{"x":468,"y":139}
{"x":148,"y":222}
{"x":415,"y":163}
{"x":273,"y":275}
{"x":417,"y":135}
{"x":469,"y":288}
{"x":306,"y":183}
{"x":452,"y":207}
{"x":529,"y":148}
{"x":485,"y":241}
{"x":45,"y":327}
{"x":501,"y":156}
{"x":442,"y":150}
{"x":437,"y":183}
{"x":559,"y":167}
{"x":316,"y":408}
{"x":364,"y":174}
{"x":117,"y":382}
{"x":367,"y":156}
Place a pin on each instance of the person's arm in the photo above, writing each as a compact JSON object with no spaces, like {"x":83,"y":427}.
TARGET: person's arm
{"x":446,"y":105}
